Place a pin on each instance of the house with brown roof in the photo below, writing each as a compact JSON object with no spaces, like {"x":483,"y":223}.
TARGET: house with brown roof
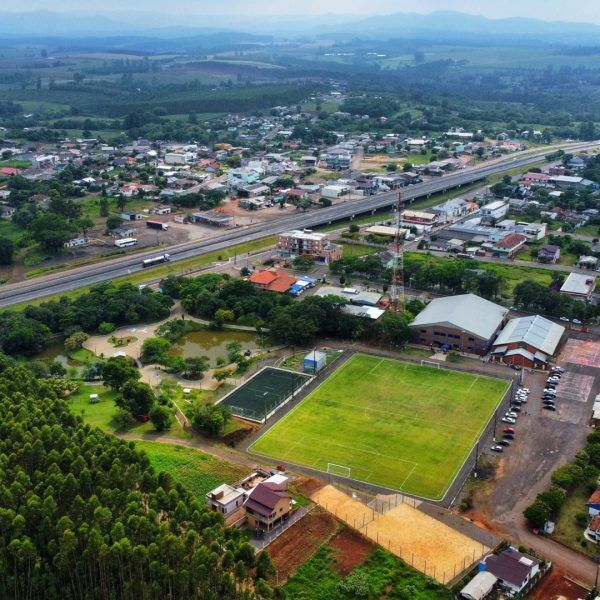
{"x":508,"y":246}
{"x":268,"y":505}
{"x":514,"y":569}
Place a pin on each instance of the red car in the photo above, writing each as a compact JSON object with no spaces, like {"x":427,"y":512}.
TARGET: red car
{"x":509,"y":430}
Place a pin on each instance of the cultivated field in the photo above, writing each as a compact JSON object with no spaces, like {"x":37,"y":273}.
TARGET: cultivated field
{"x":389,"y":423}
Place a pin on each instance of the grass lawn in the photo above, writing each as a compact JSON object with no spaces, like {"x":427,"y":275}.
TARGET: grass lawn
{"x":359,"y":250}
{"x":394,"y":424}
{"x":567,"y":531}
{"x":195,"y":470}
{"x":102,"y":414}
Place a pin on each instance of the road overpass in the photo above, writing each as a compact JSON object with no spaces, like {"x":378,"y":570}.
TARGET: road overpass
{"x":118,"y":267}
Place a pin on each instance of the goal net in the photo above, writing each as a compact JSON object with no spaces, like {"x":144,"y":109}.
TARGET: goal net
{"x":340,"y":470}
{"x":430,"y":363}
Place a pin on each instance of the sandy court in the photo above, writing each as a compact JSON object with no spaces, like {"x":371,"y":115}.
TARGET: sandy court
{"x":429,"y":545}
{"x":582,"y":352}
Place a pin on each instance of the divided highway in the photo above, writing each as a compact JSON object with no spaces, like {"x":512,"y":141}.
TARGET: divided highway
{"x":84,"y":276}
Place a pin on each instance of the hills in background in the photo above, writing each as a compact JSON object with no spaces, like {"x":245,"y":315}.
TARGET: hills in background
{"x":438,"y":25}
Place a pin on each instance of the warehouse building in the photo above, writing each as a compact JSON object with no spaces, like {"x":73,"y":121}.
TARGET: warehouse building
{"x":466,"y":323}
{"x":528,"y":342}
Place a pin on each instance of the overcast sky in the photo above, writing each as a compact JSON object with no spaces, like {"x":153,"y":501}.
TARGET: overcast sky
{"x":586,"y":10}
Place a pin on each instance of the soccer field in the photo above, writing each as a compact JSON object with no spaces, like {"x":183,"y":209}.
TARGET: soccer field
{"x":399,"y":425}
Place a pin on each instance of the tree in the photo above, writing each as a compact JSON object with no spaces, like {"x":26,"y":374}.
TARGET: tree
{"x":302,"y":263}
{"x":553,"y":498}
{"x":104,"y":207}
{"x":85,"y":224}
{"x":211,"y":418}
{"x":234,"y":348}
{"x":264,"y":566}
{"x":75,"y":341}
{"x":119,"y":370}
{"x":155,"y":350}
{"x":52,"y":231}
{"x":222,"y":374}
{"x":537,"y":514}
{"x":113,"y":222}
{"x":325,"y":202}
{"x":195,"y":366}
{"x":161,"y":417}
{"x":138,"y":398}
{"x":7,"y":251}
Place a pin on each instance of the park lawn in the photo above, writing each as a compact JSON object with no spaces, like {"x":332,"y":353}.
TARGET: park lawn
{"x":102,"y":414}
{"x":399,"y":425}
{"x":195,"y":470}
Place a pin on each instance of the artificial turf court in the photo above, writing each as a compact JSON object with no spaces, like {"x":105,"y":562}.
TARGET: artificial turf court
{"x":398,"y":425}
{"x":264,"y":392}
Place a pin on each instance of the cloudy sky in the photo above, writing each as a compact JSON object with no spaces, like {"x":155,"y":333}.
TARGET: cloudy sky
{"x":586,"y":10}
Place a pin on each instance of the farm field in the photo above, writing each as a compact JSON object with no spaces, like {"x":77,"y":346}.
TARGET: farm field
{"x":398,"y":425}
{"x":195,"y":470}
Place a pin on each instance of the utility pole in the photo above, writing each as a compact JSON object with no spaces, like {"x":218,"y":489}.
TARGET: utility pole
{"x":397,"y":290}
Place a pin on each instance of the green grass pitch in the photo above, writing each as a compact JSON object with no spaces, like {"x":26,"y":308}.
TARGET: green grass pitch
{"x":399,"y":425}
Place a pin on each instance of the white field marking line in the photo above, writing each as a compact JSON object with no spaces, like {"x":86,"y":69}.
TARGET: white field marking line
{"x":396,"y":415}
{"x":346,"y":447}
{"x":473,"y":383}
{"x":375,"y":367}
{"x":406,"y":478}
{"x":470,"y":447}
{"x":292,"y":447}
{"x":368,"y":477}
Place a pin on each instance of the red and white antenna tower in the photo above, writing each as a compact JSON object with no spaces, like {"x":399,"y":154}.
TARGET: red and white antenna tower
{"x":397,"y":290}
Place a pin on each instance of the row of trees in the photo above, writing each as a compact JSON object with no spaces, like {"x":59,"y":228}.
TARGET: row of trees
{"x":583,"y":470}
{"x":84,"y":514}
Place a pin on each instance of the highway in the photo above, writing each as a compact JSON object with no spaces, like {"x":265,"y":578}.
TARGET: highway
{"x":87,"y":275}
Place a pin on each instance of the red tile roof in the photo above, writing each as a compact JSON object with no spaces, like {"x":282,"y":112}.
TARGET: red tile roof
{"x":263,"y":277}
{"x":594,"y":498}
{"x":511,"y":240}
{"x":9,"y":171}
{"x":595,"y":524}
{"x":264,"y":498}
{"x":282,"y":284}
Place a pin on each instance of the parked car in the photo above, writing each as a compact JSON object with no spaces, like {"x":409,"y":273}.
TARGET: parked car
{"x":557,"y":369}
{"x":553,"y":379}
{"x":508,"y":420}
{"x":577,"y":322}
{"x":508,"y":436}
{"x":497,"y":448}
{"x":524,"y":389}
{"x":515,"y":367}
{"x":549,"y":390}
{"x":564,"y":319}
{"x":549,"y":407}
{"x":509,"y":430}
{"x":513,"y":415}
{"x":515,"y":408}
{"x":505,"y":443}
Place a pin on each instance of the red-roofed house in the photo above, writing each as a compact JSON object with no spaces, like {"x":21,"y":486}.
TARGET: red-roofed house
{"x":267,"y":506}
{"x":593,"y":529}
{"x":508,"y":246}
{"x":534,"y":179}
{"x":593,"y":504}
{"x":9,"y":171}
{"x":273,"y":281}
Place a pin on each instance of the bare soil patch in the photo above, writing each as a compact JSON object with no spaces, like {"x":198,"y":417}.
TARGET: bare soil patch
{"x":556,"y":587}
{"x":352,"y":550}
{"x":298,"y":543}
{"x":307,"y":486}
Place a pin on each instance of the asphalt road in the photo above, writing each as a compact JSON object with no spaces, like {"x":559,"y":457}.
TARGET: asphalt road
{"x":90,"y":274}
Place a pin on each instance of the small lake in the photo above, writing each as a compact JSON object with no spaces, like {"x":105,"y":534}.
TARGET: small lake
{"x":56,"y":351}
{"x":213,"y":343}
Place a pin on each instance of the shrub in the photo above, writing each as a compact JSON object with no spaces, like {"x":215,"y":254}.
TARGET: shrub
{"x":106,"y":328}
{"x":161,"y":417}
{"x":581,"y":519}
{"x":537,"y":514}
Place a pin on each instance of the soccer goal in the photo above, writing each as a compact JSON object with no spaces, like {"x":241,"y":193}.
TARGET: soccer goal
{"x":340,"y":470}
{"x":430,"y":363}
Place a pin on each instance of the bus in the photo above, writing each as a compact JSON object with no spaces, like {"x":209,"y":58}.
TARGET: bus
{"x":126,"y":242}
{"x":156,"y":260}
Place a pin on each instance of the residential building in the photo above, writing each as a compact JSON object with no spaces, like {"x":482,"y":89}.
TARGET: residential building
{"x":228,"y":501}
{"x":566,"y":181}
{"x":514,"y":570}
{"x":175,"y":158}
{"x":548,"y":253}
{"x":593,"y":529}
{"x":593,"y":504}
{"x":509,"y":245}
{"x":317,"y":246}
{"x":212,"y":217}
{"x":273,"y":281}
{"x":466,"y":322}
{"x":579,"y":286}
{"x":267,"y":505}
{"x":528,"y":342}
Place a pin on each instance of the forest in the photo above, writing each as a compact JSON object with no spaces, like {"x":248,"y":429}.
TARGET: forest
{"x":84,"y":515}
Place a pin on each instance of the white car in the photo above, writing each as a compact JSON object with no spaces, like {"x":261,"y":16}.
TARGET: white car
{"x":524,"y":390}
{"x":508,"y":420}
{"x":511,"y":414}
{"x":577,"y":322}
{"x":558,"y":369}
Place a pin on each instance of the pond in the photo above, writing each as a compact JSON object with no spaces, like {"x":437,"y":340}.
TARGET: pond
{"x":56,"y":351}
{"x":213,"y":343}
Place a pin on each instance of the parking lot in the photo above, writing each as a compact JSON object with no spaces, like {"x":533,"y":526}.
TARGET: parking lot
{"x":543,"y":441}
